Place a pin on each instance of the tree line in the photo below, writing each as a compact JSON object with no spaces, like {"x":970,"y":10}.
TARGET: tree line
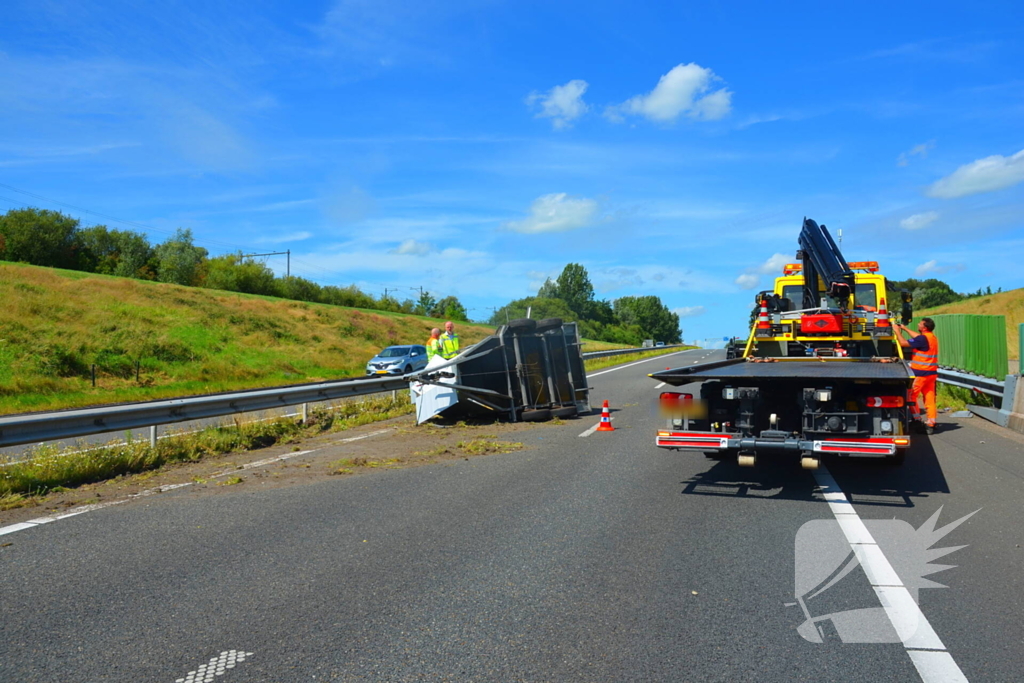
{"x":626,"y":320}
{"x":49,"y":238}
{"x":934,"y":292}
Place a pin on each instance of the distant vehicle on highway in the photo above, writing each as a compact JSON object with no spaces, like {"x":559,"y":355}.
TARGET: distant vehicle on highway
{"x":398,"y":360}
{"x":659,"y":343}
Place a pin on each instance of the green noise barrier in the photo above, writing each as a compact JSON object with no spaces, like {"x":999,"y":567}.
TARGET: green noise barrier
{"x":973,"y":343}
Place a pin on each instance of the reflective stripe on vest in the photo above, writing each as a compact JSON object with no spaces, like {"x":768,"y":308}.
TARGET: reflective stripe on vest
{"x":926,"y":361}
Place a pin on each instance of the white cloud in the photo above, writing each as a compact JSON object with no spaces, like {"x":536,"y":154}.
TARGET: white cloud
{"x":933,"y":267}
{"x":773,"y":266}
{"x":556,"y":213}
{"x":288,"y":237}
{"x":680,"y":91}
{"x":917,"y":150}
{"x":919,"y":220}
{"x":984,"y":175}
{"x":563,"y":104}
{"x":412,"y":247}
{"x":747,"y":281}
{"x":689,"y":311}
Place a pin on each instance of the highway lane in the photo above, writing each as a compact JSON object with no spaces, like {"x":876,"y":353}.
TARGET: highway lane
{"x":580,"y":558}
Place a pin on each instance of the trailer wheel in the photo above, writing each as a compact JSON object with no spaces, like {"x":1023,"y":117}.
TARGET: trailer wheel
{"x":548,"y":324}
{"x":564,"y":411}
{"x":540,"y":415}
{"x":522,"y":325}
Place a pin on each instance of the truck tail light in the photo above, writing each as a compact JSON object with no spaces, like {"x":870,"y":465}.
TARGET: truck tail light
{"x":884,"y":402}
{"x":675,"y":406}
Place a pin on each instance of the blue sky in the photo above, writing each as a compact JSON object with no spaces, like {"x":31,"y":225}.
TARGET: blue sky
{"x":474,"y":148}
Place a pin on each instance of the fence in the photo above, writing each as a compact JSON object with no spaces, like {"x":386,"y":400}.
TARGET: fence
{"x":973,"y":343}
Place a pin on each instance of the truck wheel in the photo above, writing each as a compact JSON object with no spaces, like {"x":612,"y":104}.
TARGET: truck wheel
{"x":548,"y":324}
{"x":522,"y":325}
{"x":564,"y":411}
{"x":541,"y":415}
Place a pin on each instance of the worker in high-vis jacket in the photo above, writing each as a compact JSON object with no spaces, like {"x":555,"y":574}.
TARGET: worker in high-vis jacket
{"x":925,"y":363}
{"x":434,"y":344}
{"x":449,"y":341}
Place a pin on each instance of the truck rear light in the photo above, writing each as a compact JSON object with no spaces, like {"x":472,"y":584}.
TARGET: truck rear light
{"x":901,"y":441}
{"x":823,"y":395}
{"x":884,"y":402}
{"x":677,"y":406}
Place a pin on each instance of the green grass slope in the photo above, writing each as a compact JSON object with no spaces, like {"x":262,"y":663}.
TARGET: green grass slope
{"x":1009,"y":304}
{"x":54,"y":325}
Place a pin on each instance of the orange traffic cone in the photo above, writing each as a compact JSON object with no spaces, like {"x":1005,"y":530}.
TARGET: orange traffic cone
{"x":882,"y":321}
{"x":606,"y":419}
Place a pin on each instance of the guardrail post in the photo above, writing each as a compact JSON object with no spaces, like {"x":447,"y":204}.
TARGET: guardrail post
{"x":305,"y":412}
{"x":152,"y":436}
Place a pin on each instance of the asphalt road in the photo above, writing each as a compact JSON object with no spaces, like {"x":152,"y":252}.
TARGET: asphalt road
{"x":587,"y":558}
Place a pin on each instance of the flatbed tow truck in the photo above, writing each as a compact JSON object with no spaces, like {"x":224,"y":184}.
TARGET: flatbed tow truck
{"x":821,"y":373}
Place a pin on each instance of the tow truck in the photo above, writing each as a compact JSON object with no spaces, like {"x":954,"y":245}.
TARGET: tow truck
{"x":821,"y":372}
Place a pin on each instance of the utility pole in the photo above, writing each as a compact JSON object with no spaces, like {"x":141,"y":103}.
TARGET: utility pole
{"x":288,"y":254}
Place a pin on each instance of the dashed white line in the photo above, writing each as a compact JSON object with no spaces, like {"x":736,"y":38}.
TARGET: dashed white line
{"x":926,"y":650}
{"x":629,"y":365}
{"x":593,"y":429}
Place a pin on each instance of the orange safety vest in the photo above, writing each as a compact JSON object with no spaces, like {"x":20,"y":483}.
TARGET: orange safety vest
{"x":926,"y":361}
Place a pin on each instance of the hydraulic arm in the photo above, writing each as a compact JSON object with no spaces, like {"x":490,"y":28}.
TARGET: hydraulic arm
{"x":823,"y":263}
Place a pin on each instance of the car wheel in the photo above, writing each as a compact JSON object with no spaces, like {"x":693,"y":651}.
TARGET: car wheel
{"x":408,"y":369}
{"x":522,"y":325}
{"x":548,"y":324}
{"x":541,"y":415}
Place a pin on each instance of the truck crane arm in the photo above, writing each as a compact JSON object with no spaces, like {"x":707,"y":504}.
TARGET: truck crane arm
{"x":822,"y":259}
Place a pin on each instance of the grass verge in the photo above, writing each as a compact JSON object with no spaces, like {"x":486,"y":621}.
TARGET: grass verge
{"x":49,"y":469}
{"x":608,"y":361}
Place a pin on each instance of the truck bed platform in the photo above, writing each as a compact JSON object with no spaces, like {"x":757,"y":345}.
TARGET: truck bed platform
{"x":740,"y":369}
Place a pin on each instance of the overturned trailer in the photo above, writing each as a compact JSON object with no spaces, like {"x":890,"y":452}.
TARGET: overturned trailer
{"x":528,"y":370}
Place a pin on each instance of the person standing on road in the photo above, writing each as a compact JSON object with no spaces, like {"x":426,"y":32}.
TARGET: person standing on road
{"x":449,"y":341}
{"x":925,"y":364}
{"x":433,"y":344}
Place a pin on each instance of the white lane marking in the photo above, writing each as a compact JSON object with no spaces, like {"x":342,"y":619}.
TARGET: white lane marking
{"x":593,"y":429}
{"x":629,"y":365}
{"x":10,"y":529}
{"x":217,"y":666}
{"x":660,"y":386}
{"x":926,"y":650}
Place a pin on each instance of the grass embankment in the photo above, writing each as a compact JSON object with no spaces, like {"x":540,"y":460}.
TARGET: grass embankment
{"x":51,"y":469}
{"x":55,"y":324}
{"x":608,"y":361}
{"x":1009,"y":304}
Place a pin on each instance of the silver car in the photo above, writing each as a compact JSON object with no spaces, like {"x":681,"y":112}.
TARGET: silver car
{"x":398,"y":360}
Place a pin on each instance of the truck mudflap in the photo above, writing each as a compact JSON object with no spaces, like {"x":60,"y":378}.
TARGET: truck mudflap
{"x":875,"y":446}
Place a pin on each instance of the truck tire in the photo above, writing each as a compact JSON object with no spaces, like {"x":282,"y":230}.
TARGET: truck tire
{"x":539,"y":415}
{"x":564,"y":411}
{"x":522,"y":325}
{"x":548,"y":324}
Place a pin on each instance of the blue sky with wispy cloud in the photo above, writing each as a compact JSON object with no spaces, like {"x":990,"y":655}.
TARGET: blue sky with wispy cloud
{"x":475,"y":148}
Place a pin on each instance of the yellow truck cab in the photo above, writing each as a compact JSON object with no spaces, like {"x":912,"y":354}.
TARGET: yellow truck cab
{"x":861,"y":328}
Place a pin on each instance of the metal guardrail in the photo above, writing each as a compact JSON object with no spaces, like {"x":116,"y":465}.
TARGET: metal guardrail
{"x":68,"y":424}
{"x":985,"y":385}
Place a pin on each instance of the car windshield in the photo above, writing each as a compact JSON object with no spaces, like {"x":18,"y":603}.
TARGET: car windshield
{"x":394,"y":352}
